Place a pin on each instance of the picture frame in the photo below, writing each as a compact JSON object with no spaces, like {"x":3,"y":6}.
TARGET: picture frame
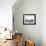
{"x":29,"y":19}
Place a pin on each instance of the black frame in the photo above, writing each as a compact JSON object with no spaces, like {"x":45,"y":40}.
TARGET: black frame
{"x":30,"y":15}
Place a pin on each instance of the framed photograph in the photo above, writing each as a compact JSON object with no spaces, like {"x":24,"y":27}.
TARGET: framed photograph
{"x":29,"y":19}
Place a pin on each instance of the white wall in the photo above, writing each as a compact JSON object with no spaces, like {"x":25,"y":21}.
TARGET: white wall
{"x":43,"y":22}
{"x":30,"y":31}
{"x":6,"y":13}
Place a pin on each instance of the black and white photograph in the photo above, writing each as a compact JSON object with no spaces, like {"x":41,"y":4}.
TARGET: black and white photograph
{"x":29,"y":19}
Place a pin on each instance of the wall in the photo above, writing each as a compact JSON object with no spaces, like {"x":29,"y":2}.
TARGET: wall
{"x":29,"y":31}
{"x":6,"y":13}
{"x":43,"y":22}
